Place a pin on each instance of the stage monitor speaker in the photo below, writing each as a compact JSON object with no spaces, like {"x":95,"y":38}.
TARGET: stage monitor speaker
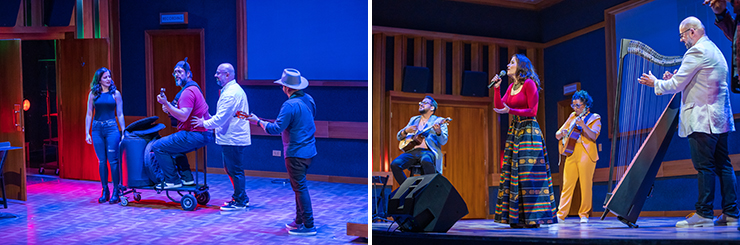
{"x":426,"y":203}
{"x":9,"y":13}
{"x":58,"y":12}
{"x":474,"y":84}
{"x":415,"y":79}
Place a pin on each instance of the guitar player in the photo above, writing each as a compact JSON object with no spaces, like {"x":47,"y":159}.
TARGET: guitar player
{"x":428,"y":154}
{"x":582,"y":162}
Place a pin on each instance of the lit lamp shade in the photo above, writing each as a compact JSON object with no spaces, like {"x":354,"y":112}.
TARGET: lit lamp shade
{"x":26,"y":105}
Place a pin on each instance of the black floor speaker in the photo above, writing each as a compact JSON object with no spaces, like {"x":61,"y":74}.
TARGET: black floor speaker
{"x":427,"y":203}
{"x":415,"y":79}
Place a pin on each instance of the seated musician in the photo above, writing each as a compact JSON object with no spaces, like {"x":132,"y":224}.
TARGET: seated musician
{"x":428,"y":154}
{"x":581,"y":160}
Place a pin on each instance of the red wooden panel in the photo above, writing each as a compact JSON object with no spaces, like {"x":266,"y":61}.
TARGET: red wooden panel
{"x":11,"y":94}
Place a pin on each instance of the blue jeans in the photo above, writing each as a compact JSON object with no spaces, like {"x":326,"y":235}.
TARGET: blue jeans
{"x":710,"y":157}
{"x":422,"y":156}
{"x":175,"y":146}
{"x":106,"y":139}
{"x":233,"y":157}
{"x":297,"y":172}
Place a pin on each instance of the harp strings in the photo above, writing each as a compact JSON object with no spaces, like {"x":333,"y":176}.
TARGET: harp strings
{"x":639,"y":107}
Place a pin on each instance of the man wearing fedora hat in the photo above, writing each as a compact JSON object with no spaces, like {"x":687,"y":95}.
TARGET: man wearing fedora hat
{"x":188,"y":104}
{"x":295,"y":123}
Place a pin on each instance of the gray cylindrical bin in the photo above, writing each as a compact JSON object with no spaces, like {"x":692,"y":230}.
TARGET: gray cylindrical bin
{"x":136,"y":137}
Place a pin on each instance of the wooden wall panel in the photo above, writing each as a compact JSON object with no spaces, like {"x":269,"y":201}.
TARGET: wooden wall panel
{"x":378,"y":102}
{"x":439,"y":76}
{"x":78,"y":59}
{"x":420,"y":52}
{"x":11,"y":94}
{"x":399,"y":61}
{"x":457,"y":66}
{"x":164,"y":48}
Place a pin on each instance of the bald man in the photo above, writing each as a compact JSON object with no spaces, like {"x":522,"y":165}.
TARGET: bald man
{"x":705,"y":118}
{"x":232,"y":132}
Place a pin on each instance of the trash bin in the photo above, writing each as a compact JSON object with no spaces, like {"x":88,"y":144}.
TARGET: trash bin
{"x":135,"y":139}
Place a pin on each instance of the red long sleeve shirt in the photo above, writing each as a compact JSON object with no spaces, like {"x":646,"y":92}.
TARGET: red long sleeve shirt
{"x":522,"y":104}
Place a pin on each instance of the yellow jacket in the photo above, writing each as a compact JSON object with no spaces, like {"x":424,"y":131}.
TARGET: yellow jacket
{"x":594,"y":123}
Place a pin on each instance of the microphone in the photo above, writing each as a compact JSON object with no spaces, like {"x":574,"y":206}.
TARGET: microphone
{"x":161,"y":92}
{"x":500,"y":74}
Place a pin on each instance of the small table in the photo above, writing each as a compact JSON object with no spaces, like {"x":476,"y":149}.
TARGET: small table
{"x":4,"y":148}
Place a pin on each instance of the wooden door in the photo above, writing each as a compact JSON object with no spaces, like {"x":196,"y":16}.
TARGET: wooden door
{"x":11,"y":125}
{"x":77,"y":61}
{"x":164,"y":48}
{"x":466,"y":151}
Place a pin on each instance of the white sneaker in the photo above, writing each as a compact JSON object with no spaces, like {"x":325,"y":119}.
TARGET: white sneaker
{"x":561,"y":221}
{"x":188,"y":182}
{"x":725,"y":220}
{"x":584,"y":219}
{"x":695,"y":220}
{"x":168,"y":186}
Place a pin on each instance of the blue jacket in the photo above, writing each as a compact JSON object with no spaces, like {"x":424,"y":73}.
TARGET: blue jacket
{"x":296,"y":125}
{"x":434,"y":141}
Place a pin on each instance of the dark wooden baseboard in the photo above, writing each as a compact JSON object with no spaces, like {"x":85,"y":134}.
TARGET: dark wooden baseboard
{"x":284,"y":175}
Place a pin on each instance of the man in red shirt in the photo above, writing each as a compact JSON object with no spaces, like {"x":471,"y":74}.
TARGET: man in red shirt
{"x":188,"y":104}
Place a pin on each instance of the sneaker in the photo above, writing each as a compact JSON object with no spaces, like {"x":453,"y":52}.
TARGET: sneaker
{"x":188,"y":182}
{"x":725,"y":220}
{"x":227,"y":203}
{"x":561,"y":221}
{"x":233,"y":206}
{"x":168,"y":186}
{"x":695,"y":220}
{"x":303,"y":231}
{"x":292,"y":225}
{"x":584,"y":219}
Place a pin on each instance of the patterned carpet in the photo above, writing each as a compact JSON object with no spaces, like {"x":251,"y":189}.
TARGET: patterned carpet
{"x":60,"y":211}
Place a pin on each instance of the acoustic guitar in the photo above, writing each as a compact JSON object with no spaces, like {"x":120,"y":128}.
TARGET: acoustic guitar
{"x":568,"y":144}
{"x":414,"y":139}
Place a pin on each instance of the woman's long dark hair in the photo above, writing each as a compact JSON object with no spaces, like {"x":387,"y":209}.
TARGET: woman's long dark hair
{"x":525,"y":70}
{"x":95,"y":86}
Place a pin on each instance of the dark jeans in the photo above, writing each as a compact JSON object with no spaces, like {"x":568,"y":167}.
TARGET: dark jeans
{"x":106,"y":137}
{"x":422,"y":156}
{"x":297,"y":172}
{"x":170,"y":146}
{"x":233,"y":157}
{"x":710,"y":157}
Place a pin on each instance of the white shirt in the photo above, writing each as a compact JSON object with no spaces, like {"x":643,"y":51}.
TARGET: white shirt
{"x":705,"y":98}
{"x":231,"y":130}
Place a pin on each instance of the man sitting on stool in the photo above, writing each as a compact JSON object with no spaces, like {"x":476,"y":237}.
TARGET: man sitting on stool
{"x":428,"y":154}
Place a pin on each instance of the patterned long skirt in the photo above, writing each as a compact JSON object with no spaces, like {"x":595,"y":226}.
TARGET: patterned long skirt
{"x":525,"y":194}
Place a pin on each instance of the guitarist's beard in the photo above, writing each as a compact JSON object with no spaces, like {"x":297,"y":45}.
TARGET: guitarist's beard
{"x":423,"y":111}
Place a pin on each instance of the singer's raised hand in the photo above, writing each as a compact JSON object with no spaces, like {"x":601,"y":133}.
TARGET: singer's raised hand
{"x":496,"y":80}
{"x":718,"y":6}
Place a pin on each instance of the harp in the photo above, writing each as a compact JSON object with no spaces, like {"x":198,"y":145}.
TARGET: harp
{"x":643,"y":125}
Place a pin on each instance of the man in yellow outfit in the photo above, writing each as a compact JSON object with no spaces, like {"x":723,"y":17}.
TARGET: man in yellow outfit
{"x":580,"y":165}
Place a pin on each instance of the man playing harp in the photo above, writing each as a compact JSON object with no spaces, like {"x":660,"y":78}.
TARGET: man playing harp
{"x":705,"y":117}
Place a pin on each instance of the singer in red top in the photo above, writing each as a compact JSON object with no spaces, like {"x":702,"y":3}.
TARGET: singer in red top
{"x":525,"y":194}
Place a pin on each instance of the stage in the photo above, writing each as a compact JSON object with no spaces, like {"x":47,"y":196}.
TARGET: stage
{"x":652,"y":230}
{"x":61,"y":211}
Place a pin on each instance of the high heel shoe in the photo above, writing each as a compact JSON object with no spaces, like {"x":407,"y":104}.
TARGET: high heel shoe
{"x":104,"y":196}
{"x":116,"y":198}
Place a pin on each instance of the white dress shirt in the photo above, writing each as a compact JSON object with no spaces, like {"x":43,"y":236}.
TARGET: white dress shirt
{"x":231,"y":130}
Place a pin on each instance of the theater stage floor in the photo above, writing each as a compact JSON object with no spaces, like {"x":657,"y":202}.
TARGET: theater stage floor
{"x":60,"y":211}
{"x":652,"y":230}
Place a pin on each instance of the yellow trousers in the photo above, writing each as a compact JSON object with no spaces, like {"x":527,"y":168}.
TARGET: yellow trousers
{"x":577,"y":166}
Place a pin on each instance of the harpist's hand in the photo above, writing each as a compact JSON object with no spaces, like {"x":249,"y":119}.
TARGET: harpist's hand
{"x":502,"y":110}
{"x":668,"y":75}
{"x":647,"y":79}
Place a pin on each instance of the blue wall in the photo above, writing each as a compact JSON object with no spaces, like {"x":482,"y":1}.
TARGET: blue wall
{"x":316,"y":51}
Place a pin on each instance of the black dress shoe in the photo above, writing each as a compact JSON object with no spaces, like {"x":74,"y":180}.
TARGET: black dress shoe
{"x":104,"y":196}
